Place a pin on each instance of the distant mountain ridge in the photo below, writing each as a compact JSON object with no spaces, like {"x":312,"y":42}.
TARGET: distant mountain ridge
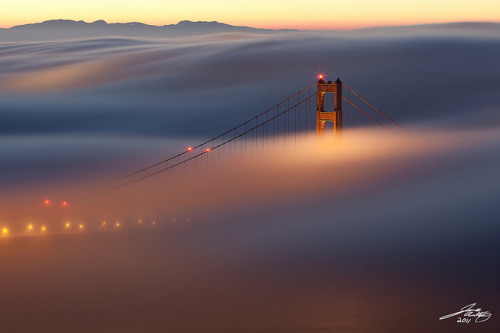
{"x":62,"y":29}
{"x":69,"y":29}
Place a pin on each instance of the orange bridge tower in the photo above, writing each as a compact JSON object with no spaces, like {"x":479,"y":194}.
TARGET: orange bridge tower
{"x":335,"y":116}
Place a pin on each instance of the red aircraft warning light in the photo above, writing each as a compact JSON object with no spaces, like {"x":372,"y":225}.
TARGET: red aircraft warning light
{"x":190,"y":148}
{"x":208,"y":149}
{"x":46,"y":202}
{"x":64,"y":204}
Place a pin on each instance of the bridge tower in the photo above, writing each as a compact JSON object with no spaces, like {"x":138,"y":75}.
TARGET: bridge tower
{"x":322,"y":116}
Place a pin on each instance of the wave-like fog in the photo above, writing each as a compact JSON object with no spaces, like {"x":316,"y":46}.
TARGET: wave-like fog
{"x":206,"y":84}
{"x":379,"y":232}
{"x":281,"y":172}
{"x":294,"y":234}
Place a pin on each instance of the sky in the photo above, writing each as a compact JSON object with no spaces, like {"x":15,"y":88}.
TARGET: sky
{"x":312,"y":14}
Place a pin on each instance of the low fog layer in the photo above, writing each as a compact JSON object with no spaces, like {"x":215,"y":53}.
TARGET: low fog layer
{"x":81,"y":103}
{"x":383,"y":232}
{"x":205,"y":84}
{"x":299,"y":235}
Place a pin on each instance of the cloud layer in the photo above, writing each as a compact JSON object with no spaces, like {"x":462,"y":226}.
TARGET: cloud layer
{"x":380,"y":233}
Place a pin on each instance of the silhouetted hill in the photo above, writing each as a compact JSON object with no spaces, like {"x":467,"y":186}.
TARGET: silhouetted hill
{"x":62,"y":29}
{"x":69,"y":29}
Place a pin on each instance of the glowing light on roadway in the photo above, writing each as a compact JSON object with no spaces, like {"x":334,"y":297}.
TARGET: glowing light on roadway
{"x":64,"y":204}
{"x":44,"y":228}
{"x":117,"y":224}
{"x":67,"y":225}
{"x":140,"y":221}
{"x":81,"y":226}
{"x":5,"y":231}
{"x":46,"y":202}
{"x":29,"y":227}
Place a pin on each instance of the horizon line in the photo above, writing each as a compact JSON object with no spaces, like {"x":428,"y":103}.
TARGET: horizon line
{"x":345,"y":28}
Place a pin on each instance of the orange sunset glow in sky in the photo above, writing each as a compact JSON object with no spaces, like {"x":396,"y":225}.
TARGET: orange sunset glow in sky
{"x":299,"y":14}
